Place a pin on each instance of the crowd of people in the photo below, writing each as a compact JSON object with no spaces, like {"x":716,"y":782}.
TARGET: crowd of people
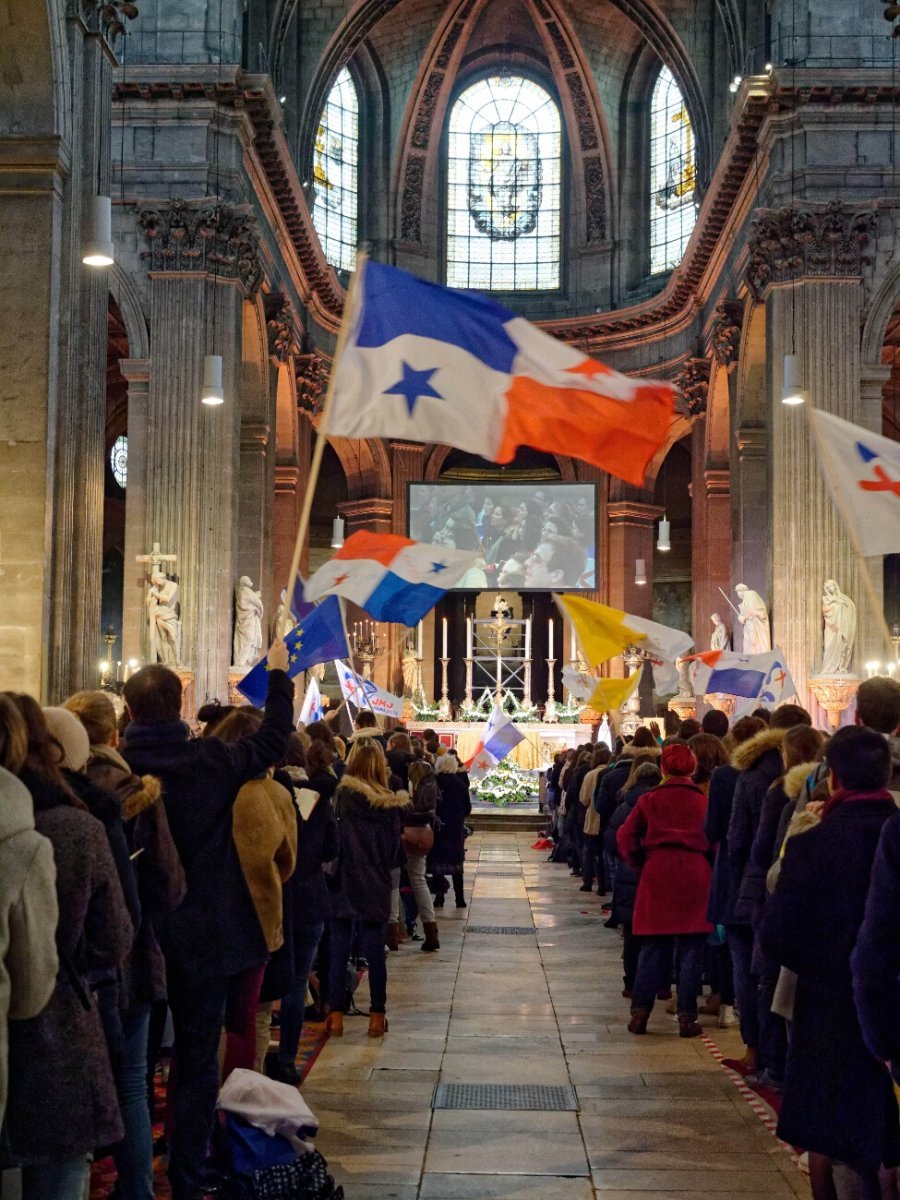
{"x":753,"y":874}
{"x":538,"y":541}
{"x":155,"y":877}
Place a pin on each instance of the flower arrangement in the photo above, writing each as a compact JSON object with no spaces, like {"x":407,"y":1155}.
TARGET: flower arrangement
{"x":506,"y":784}
{"x":520,"y":712}
{"x":570,"y":712}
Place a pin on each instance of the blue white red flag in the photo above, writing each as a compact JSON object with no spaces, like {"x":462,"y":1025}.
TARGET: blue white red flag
{"x":862,"y":470}
{"x":363,"y":693}
{"x":391,"y":577}
{"x":319,"y":636}
{"x":499,"y":736}
{"x":433,"y":364}
{"x":763,"y":678}
{"x":311,"y":709}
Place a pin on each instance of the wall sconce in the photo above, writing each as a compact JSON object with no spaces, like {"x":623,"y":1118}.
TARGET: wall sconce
{"x":662,"y":541}
{"x":640,"y":572}
{"x":337,"y":533}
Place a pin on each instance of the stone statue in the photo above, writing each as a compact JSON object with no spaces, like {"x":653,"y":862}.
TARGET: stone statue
{"x":162,"y":616}
{"x":754,"y":617}
{"x":317,"y":670}
{"x":284,"y":619}
{"x":685,"y":691}
{"x":839,"y":613}
{"x":248,"y":614}
{"x":410,"y":666}
{"x":721,"y":639}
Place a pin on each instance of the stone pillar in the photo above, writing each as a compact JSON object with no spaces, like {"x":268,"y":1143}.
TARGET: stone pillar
{"x":286,"y":516}
{"x":407,"y":466}
{"x":710,"y":543}
{"x":203,"y":262}
{"x":254,"y":551}
{"x":134,"y":623}
{"x":374,"y":513}
{"x":632,"y":533}
{"x":749,"y":512}
{"x":812,"y":264}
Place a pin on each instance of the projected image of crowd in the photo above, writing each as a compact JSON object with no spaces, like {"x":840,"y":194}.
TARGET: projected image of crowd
{"x":526,"y":537}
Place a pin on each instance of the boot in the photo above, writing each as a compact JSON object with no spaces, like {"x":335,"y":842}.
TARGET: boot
{"x":688,"y":1027}
{"x":749,"y":1064}
{"x":334,"y":1026}
{"x":392,"y":935}
{"x":639,"y":1019}
{"x":712,"y":1005}
{"x":378,"y":1024}
{"x":402,"y":932}
{"x":728,"y":1018}
{"x":431,"y":936}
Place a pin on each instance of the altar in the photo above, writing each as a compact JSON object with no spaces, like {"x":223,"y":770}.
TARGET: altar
{"x":534,"y":753}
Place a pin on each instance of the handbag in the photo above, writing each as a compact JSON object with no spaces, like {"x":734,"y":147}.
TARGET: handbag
{"x":417,"y":839}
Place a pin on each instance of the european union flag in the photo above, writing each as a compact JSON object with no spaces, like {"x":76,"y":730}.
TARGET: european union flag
{"x":318,"y":637}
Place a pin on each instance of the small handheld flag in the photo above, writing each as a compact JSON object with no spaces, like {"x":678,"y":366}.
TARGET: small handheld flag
{"x":318,"y":637}
{"x":758,"y":677}
{"x":312,"y":709}
{"x":498,"y":738}
{"x":602,"y":694}
{"x":363,"y":693}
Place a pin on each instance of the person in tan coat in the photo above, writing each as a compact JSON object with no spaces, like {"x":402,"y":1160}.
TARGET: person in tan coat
{"x":591,"y":860}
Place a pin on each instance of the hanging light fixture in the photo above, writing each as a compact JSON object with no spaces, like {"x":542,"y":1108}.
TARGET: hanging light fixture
{"x":640,"y":572}
{"x":212,"y":392}
{"x":337,"y":533}
{"x":793,"y":391}
{"x":662,"y":541}
{"x":97,"y":248}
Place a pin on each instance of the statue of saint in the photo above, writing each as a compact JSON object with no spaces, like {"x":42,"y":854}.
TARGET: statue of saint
{"x":754,"y":617}
{"x":284,"y":619}
{"x":839,"y":613}
{"x":162,"y":615}
{"x":248,"y":614}
{"x":685,"y":691}
{"x":720,"y":639}
{"x":410,"y":666}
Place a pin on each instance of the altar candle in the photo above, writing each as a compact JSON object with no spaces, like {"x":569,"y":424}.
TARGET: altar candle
{"x":468,"y":637}
{"x":419,"y":639}
{"x":550,"y":636}
{"x":119,"y":671}
{"x":573,"y":652}
{"x":528,"y":637}
{"x":445,"y":638}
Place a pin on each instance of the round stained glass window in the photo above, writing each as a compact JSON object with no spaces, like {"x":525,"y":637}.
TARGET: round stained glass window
{"x":118,"y":460}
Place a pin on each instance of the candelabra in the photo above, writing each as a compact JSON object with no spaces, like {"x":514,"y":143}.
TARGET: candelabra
{"x":631,"y":709}
{"x":110,"y":670}
{"x":550,"y":716}
{"x":366,"y":645}
{"x":468,"y":703}
{"x":445,"y":712}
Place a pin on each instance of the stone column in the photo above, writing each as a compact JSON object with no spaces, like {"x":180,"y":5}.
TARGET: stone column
{"x":254,"y":551}
{"x":285,"y":518}
{"x":711,"y":541}
{"x":749,"y":512}
{"x":632,"y":533}
{"x":407,"y":466}
{"x":374,"y":513}
{"x":203,"y":263}
{"x":134,"y":624}
{"x":812,"y":264}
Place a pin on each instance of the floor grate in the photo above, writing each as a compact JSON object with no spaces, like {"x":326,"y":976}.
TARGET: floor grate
{"x":501,"y":929}
{"x":510,"y":1096}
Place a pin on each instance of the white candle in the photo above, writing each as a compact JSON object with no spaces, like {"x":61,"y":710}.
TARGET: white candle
{"x":528,"y":637}
{"x":573,"y":653}
{"x":119,"y":671}
{"x":550,"y":636}
{"x":419,"y":640}
{"x":445,"y":638}
{"x":468,"y":637}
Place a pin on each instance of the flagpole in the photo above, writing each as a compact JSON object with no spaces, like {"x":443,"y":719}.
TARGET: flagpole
{"x":321,"y":438}
{"x":862,"y":562}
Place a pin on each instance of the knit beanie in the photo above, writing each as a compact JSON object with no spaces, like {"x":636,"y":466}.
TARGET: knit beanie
{"x":71,"y":735}
{"x":678,"y":760}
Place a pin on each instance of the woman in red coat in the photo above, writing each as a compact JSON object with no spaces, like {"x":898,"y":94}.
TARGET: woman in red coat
{"x":663,"y":839}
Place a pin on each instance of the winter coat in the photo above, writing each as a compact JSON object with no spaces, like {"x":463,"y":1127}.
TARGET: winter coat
{"x":158,"y":872}
{"x":317,"y":844}
{"x":264,"y":827}
{"x":324,"y":783}
{"x":626,"y":881}
{"x":894,"y":781}
{"x":606,"y":798}
{"x":398,"y":763}
{"x":423,"y":789}
{"x":453,"y":806}
{"x":760,"y":764}
{"x":876,"y":958}
{"x":28,"y":915}
{"x":781,"y":795}
{"x":586,"y":798}
{"x":724,"y":887}
{"x":369,"y":825}
{"x":799,"y":789}
{"x":663,"y":839}
{"x":62,"y":1098}
{"x":215,"y":932}
{"x":838,"y":1099}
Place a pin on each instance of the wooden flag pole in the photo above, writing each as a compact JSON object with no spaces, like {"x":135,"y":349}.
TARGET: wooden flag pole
{"x":862,"y":562}
{"x":321,"y":438}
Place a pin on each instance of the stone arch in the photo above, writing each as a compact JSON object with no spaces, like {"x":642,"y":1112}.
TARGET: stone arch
{"x":437,"y":456}
{"x":33,"y":70}
{"x":878,"y":314}
{"x":123,"y":290}
{"x":366,"y":466}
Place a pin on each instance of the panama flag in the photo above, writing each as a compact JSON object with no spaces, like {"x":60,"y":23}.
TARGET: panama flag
{"x":312,"y":709}
{"x":363,"y":693}
{"x":760,"y":677}
{"x":433,"y":364}
{"x":497,"y":739}
{"x":862,"y":470}
{"x":391,"y":577}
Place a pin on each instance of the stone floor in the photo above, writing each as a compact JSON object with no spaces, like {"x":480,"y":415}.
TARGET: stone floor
{"x":658,"y":1116}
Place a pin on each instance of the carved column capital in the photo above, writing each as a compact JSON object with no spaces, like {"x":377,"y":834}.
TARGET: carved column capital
{"x":202,"y":237}
{"x":106,"y":17}
{"x":633,"y":512}
{"x":787,"y":244}
{"x":725,"y":334}
{"x":281,"y":328}
{"x":312,"y":380}
{"x":692,"y":380}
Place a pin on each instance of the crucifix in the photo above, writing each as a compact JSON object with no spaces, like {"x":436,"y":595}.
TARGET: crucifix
{"x":158,"y":594}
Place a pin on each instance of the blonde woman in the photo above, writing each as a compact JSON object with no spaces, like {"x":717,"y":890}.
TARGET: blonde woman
{"x":369,"y":825}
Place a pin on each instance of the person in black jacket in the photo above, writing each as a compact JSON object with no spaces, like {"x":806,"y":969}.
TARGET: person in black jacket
{"x":215,"y":933}
{"x":447,"y":855}
{"x":839,"y":1101}
{"x":645,"y":776}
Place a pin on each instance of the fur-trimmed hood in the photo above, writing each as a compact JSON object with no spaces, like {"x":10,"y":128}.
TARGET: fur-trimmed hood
{"x":108,"y":769}
{"x":631,"y":751}
{"x":750,"y":752}
{"x":374,"y":797}
{"x":796,"y":777}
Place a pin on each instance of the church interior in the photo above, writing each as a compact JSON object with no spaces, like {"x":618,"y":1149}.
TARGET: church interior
{"x":700,"y":192}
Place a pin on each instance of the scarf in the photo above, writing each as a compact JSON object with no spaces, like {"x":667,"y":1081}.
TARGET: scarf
{"x":844,"y":796}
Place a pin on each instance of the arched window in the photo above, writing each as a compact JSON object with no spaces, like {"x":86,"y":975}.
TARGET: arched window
{"x":336,"y":174}
{"x":673,"y":175}
{"x":503,"y":187}
{"x":118,"y":460}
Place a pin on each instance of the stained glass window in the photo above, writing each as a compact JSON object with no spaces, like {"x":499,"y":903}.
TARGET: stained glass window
{"x":503,"y":187}
{"x":336,"y":174}
{"x":118,"y":460}
{"x":673,"y":175}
